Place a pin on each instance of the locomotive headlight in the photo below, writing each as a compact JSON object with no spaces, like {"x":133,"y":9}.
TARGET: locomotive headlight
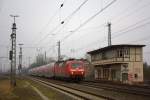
{"x":72,"y":72}
{"x":81,"y":72}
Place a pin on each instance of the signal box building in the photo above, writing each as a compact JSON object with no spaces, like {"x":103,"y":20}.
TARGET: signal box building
{"x":121,"y":63}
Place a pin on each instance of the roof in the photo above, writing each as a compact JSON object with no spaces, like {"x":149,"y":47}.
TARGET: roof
{"x":114,"y":46}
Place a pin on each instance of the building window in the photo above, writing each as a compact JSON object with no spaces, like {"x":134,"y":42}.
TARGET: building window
{"x":96,"y":57}
{"x":100,"y":56}
{"x":125,"y":68}
{"x":120,"y":53}
{"x":104,"y":56}
{"x":135,"y":76}
{"x":124,"y":52}
{"x":92,"y":58}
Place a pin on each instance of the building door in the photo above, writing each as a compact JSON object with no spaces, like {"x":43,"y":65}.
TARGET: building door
{"x":106,"y":73}
{"x":96,"y":74}
{"x":99,"y":74}
{"x":124,"y":77}
{"x":113,"y":74}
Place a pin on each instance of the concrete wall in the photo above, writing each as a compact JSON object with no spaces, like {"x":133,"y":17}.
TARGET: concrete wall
{"x":136,"y":71}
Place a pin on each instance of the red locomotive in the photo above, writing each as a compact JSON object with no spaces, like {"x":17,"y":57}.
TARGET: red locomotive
{"x":69,"y":69}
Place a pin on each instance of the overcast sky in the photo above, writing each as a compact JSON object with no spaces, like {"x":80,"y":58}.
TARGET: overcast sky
{"x":39,"y":26}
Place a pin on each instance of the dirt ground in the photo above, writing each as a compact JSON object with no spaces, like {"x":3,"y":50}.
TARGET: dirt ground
{"x":24,"y":91}
{"x":20,"y":92}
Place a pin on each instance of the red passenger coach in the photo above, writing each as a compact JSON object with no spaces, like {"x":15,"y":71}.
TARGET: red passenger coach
{"x":69,"y":69}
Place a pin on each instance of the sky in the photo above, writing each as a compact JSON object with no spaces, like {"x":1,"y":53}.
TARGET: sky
{"x":39,"y":26}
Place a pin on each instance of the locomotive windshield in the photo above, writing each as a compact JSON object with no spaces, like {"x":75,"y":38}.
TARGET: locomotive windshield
{"x":75,"y":65}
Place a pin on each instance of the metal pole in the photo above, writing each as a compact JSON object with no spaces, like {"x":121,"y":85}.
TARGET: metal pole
{"x":13,"y":49}
{"x":58,"y":50}
{"x":109,"y":33}
{"x":29,"y":61}
{"x":20,"y":59}
{"x":45,"y":57}
{"x":1,"y":67}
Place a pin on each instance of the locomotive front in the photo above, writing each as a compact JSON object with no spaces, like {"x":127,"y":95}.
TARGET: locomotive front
{"x":77,"y":71}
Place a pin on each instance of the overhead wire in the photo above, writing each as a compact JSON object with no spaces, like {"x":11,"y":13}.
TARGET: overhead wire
{"x":76,"y":10}
{"x":134,"y":11}
{"x":50,"y":20}
{"x":121,"y":32}
{"x":67,"y":19}
{"x":135,"y":3}
{"x":124,"y":10}
{"x":120,"y":20}
{"x":142,"y":39}
{"x":89,"y":19}
{"x":127,"y":11}
{"x":62,"y":22}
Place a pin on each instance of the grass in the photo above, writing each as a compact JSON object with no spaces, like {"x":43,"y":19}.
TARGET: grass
{"x":21,"y":92}
{"x":50,"y":93}
{"x":24,"y":91}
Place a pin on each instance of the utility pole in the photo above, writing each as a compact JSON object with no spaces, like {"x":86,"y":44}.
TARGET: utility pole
{"x":45,"y":57}
{"x":13,"y":53}
{"x":59,"y":51}
{"x":1,"y":69}
{"x":20,"y":59}
{"x":109,"y":33}
{"x":29,"y":61}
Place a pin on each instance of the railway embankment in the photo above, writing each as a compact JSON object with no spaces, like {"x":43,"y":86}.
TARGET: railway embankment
{"x":27,"y":90}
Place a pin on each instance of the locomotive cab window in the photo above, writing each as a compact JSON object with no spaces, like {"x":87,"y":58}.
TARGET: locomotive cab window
{"x":75,"y":65}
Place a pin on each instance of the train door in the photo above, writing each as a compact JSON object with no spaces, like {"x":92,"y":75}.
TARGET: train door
{"x":67,"y":70}
{"x":56,"y":69}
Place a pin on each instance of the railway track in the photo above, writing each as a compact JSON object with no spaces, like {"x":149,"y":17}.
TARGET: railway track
{"x":101,"y":91}
{"x":127,"y":89}
{"x":3,"y":76}
{"x":72,"y":91}
{"x":146,"y":86}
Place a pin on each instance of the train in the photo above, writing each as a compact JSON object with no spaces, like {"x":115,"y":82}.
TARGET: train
{"x":71,"y":69}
